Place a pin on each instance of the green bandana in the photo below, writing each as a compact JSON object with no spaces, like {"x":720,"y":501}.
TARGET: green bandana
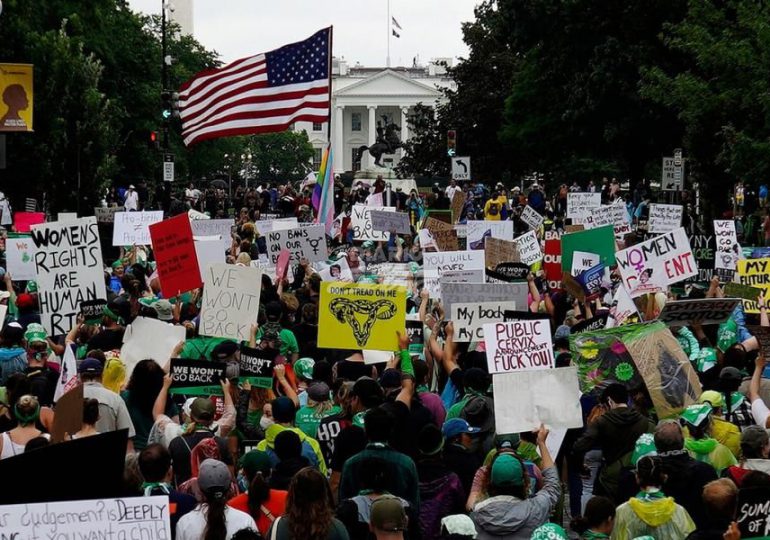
{"x":549,"y":531}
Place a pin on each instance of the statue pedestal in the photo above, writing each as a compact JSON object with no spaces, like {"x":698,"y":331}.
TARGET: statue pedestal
{"x":371,"y":173}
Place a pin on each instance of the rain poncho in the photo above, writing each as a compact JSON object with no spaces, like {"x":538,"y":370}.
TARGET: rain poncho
{"x":710,"y":451}
{"x":657,"y":517}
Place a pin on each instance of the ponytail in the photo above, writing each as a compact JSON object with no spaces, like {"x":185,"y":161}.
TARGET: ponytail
{"x":259,"y":493}
{"x":216,"y":528}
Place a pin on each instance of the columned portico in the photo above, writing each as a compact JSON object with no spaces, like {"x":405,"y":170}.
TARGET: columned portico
{"x":337,"y":144}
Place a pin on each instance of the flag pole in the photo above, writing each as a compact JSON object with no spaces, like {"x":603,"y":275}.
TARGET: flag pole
{"x":329,"y":56}
{"x":388,"y":29}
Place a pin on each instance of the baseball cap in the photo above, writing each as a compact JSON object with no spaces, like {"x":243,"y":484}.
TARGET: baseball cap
{"x":731,"y":373}
{"x":214,"y":476}
{"x":318,"y":392}
{"x":12,"y":332}
{"x":202,"y":409}
{"x":164,"y":310}
{"x":303,"y":368}
{"x":456,"y":426}
{"x":92,"y":366}
{"x":223,"y":350}
{"x":387,"y":514}
{"x":131,"y":186}
{"x":283,"y":410}
{"x":507,"y":470}
{"x":754,"y":438}
{"x":713,"y":398}
{"x":254,"y":462}
{"x":35,"y":333}
{"x":563,"y":331}
{"x":508,"y":441}
{"x":695,"y":415}
{"x":367,"y":389}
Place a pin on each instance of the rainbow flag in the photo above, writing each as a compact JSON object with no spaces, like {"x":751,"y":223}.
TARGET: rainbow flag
{"x":316,"y":197}
{"x":325,"y":211}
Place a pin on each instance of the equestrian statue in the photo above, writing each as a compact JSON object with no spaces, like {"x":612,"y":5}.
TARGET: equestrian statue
{"x":387,"y":142}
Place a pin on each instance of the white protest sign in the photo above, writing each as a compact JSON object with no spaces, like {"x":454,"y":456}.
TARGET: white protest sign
{"x":391,"y":273}
{"x":518,"y":346}
{"x":582,"y":260}
{"x":376,"y":357}
{"x":308,"y":242}
{"x":361,"y":222}
{"x":524,"y":400}
{"x":531,"y":217}
{"x":386,"y":221}
{"x":132,"y":517}
{"x":580,"y":205}
{"x":230,"y":301}
{"x":466,"y":293}
{"x":133,"y":228}
{"x":209,"y":250}
{"x":610,"y":214}
{"x":426,"y":240}
{"x":20,"y":258}
{"x":435,"y":264}
{"x":195,"y":215}
{"x":375,"y":200}
{"x":338,"y":270}
{"x":664,"y":218}
{"x":477,"y":231}
{"x":621,"y":309}
{"x":657,"y":263}
{"x":727,"y":250}
{"x":269,"y":225}
{"x":529,"y":248}
{"x":66,"y":216}
{"x":149,"y":338}
{"x":470,"y":318}
{"x":68,"y":265}
{"x":107,"y":215}
{"x":214,"y":227}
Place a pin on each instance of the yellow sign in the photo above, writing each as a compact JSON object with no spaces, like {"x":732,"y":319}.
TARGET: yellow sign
{"x":352,"y":316}
{"x":754,"y":272}
{"x":16,"y":97}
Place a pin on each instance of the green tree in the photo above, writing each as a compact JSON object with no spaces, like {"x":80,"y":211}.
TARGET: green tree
{"x":280,"y":156}
{"x":425,"y":150}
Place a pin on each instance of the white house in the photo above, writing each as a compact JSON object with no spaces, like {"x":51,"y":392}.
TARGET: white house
{"x":361,"y":96}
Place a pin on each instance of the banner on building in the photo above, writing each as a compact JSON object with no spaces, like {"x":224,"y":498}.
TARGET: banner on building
{"x":17,"y":103}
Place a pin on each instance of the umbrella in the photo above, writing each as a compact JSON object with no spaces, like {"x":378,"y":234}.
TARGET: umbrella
{"x":218,"y":183}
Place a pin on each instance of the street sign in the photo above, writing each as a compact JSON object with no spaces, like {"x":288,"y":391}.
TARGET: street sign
{"x":672,"y":178}
{"x":168,"y":167}
{"x":461,"y":168}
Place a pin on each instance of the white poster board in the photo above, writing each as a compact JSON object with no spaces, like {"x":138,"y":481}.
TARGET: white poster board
{"x":435,"y":264}
{"x":532,"y":217}
{"x":149,"y":338}
{"x":214,"y":227}
{"x":280,"y":224}
{"x":338,"y":270}
{"x":610,"y":214}
{"x":452,"y":293}
{"x":20,"y":258}
{"x":133,"y":228}
{"x":361,"y":222}
{"x":528,"y":247}
{"x":230,"y":301}
{"x":581,"y":205}
{"x":664,"y":218}
{"x":303,"y":242}
{"x":518,"y":346}
{"x":583,"y":260}
{"x":727,"y":250}
{"x":385,"y":221}
{"x":470,"y":317}
{"x":209,"y":250}
{"x":477,"y":231}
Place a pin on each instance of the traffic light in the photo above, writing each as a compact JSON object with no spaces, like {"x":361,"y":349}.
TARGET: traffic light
{"x":451,"y":143}
{"x":175,"y":104}
{"x":166,"y":110}
{"x":153,"y":142}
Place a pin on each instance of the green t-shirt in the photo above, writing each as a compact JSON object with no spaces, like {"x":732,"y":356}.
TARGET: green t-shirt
{"x":307,"y":420}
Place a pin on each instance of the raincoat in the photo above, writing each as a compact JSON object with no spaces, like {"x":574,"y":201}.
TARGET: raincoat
{"x":710,"y":451}
{"x":657,"y":517}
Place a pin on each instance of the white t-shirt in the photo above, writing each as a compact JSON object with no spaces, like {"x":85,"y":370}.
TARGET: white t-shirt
{"x":450,"y":191}
{"x":192,"y":524}
{"x":132,"y":200}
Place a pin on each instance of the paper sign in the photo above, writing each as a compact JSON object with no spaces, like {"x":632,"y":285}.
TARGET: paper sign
{"x":66,"y":216}
{"x":580,"y":205}
{"x":591,"y":281}
{"x":375,"y":200}
{"x":657,"y":263}
{"x":338,"y":270}
{"x":755,"y":273}
{"x":133,"y":228}
{"x":462,"y":276}
{"x":302,"y":242}
{"x":149,"y":338}
{"x":93,"y":310}
{"x":622,"y":310}
{"x":68,"y":265}
{"x":531,"y":217}
{"x":528,"y":247}
{"x":230,"y":301}
{"x":282,"y":264}
{"x":508,"y":273}
{"x":278,"y":224}
{"x":611,"y":214}
{"x":376,"y":357}
{"x":499,"y":251}
{"x":518,"y":346}
{"x":703,"y":311}
{"x":435,"y":264}
{"x":361,"y":222}
{"x":361,"y":316}
{"x":727,"y":249}
{"x":107,"y":215}
{"x":221,"y":228}
{"x":452,"y":293}
{"x":208,"y":251}
{"x":527,"y":399}
{"x":664,"y":218}
{"x":133,"y":517}
{"x":391,"y":273}
{"x":582,"y":260}
{"x":256,"y":367}
{"x":385,"y":222}
{"x":175,"y":255}
{"x":196,"y":377}
{"x":703,"y":249}
{"x":552,"y":263}
{"x":20,"y":258}
{"x":600,"y":240}
{"x":427,"y":242}
{"x":478,"y":231}
{"x":470,"y":318}
{"x":22,"y":221}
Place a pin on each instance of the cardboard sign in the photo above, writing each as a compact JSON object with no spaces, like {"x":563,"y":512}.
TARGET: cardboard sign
{"x":580,"y":205}
{"x":524,"y":400}
{"x":107,"y":215}
{"x":68,"y":266}
{"x":133,"y":228}
{"x":230,"y":301}
{"x":435,"y":264}
{"x":528,"y":247}
{"x":582,"y":260}
{"x":470,"y":318}
{"x":610,"y":214}
{"x":386,"y":222}
{"x":20,"y":258}
{"x":221,"y":228}
{"x":23,"y":221}
{"x":361,"y":316}
{"x":600,"y":240}
{"x":552,"y":263}
{"x":457,"y":205}
{"x":703,"y":311}
{"x":452,"y":293}
{"x":753,"y":515}
{"x":532,"y":217}
{"x":664,"y":218}
{"x":445,"y":240}
{"x":361,"y":223}
{"x":265,"y":226}
{"x":93,"y":310}
{"x":657,"y":263}
{"x":256,"y":367}
{"x":338,"y":270}
{"x":302,"y":242}
{"x":433,"y":224}
{"x":149,"y":338}
{"x":175,"y":255}
{"x":196,"y":377}
{"x":518,"y":346}
{"x":498,"y":251}
{"x":478,"y":231}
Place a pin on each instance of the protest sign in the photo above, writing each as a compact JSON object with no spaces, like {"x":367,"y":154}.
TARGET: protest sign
{"x":391,"y":273}
{"x":524,"y":400}
{"x":478,"y":231}
{"x":470,"y":318}
{"x":221,"y":228}
{"x":703,"y":249}
{"x":433,"y":224}
{"x":196,"y":377}
{"x":571,"y":285}
{"x":528,"y":247}
{"x":208,"y":250}
{"x":467,"y":293}
{"x":376,"y":357}
{"x":461,"y":276}
{"x":361,"y":316}
{"x":93,"y":311}
{"x":591,"y":281}
{"x":230,"y":301}
{"x":756,"y":273}
{"x":301,"y":242}
{"x":703,"y":311}
{"x":582,"y":260}
{"x":107,"y":215}
{"x":338,"y":270}
{"x":552,"y":263}
{"x":753,"y":514}
{"x":133,"y":228}
{"x":600,"y":240}
{"x":23,"y":221}
{"x":445,"y":240}
{"x":499,"y":251}
{"x":427,"y":243}
{"x":657,"y":263}
{"x":745,"y":292}
{"x":435,"y":264}
{"x":512,"y":316}
{"x":265,"y":226}
{"x":622,"y":310}
{"x":68,"y":266}
{"x":610,"y":214}
{"x":762,"y":333}
{"x":580,"y":205}
{"x":175,"y":255}
{"x":282,"y":264}
{"x":69,"y":405}
{"x":597,"y":322}
{"x":727,"y":249}
{"x":195,"y":215}
{"x":149,"y":338}
{"x":531,"y":217}
{"x":257,"y":367}
{"x":20,"y":258}
{"x":66,"y":216}
{"x":508,"y":273}
{"x":386,"y":221}
{"x":664,"y":218}
{"x":375,"y":200}
{"x":361,"y":222}
{"x":133,"y":517}
{"x":457,"y":205}
{"x":518,"y":346}
{"x":416,"y":333}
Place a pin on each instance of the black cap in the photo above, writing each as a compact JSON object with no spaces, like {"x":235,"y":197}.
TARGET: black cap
{"x":224,"y":350}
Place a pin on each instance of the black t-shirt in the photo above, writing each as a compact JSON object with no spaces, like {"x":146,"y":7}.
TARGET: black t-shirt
{"x":350,"y":441}
{"x":307,"y":339}
{"x":181,"y":448}
{"x":409,"y":422}
{"x":107,"y":340}
{"x":42,"y":383}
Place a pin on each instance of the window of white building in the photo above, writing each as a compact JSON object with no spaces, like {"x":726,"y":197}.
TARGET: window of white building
{"x":317,"y":158}
{"x":356,"y":160}
{"x":355,"y":121}
{"x":317,"y":126}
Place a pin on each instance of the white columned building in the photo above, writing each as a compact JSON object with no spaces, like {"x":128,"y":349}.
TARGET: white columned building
{"x":362,"y":98}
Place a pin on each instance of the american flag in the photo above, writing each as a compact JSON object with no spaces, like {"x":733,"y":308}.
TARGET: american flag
{"x":260,"y":94}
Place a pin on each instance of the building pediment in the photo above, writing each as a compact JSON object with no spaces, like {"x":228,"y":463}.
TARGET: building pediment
{"x":388,"y":83}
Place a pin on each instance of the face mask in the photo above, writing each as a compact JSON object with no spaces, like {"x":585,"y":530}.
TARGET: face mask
{"x":265,"y":422}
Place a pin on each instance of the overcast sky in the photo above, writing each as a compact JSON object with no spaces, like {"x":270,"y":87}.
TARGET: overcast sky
{"x":238,"y":28}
